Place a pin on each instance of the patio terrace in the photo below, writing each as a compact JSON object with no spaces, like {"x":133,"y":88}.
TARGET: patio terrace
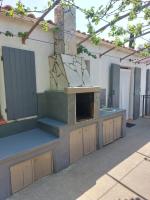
{"x":117,"y":171}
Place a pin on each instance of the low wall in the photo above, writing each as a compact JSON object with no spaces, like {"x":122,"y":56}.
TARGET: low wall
{"x":17,"y":127}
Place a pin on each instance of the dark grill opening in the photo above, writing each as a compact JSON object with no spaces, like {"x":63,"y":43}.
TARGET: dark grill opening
{"x":84,"y":106}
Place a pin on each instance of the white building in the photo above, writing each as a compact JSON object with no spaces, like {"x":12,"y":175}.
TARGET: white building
{"x":42,"y":44}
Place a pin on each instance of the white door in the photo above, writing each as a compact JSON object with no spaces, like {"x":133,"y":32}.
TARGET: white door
{"x":125,"y":79}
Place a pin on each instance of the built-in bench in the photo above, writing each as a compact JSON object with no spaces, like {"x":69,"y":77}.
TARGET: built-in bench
{"x":29,"y":155}
{"x":53,"y":126}
{"x":24,"y":142}
{"x":51,"y":146}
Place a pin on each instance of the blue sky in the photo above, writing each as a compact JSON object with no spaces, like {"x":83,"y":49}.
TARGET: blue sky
{"x":81,"y":21}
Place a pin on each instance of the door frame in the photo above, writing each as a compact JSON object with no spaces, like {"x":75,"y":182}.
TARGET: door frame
{"x":130,"y":89}
{"x":131,"y":92}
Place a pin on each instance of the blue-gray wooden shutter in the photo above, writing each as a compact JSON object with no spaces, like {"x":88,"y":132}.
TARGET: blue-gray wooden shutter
{"x":137,"y":90}
{"x":102,"y":98}
{"x":147,"y":100}
{"x":114,"y":86}
{"x":20,"y":83}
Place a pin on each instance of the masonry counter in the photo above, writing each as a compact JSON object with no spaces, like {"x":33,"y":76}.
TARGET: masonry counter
{"x":112,"y":125}
{"x":27,"y":157}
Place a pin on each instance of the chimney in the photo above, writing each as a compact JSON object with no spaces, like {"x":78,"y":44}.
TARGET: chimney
{"x":67,"y":69}
{"x":65,"y":39}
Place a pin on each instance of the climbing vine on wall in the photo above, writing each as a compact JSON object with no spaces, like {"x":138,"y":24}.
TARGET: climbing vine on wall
{"x":10,"y":34}
{"x":82,"y":49}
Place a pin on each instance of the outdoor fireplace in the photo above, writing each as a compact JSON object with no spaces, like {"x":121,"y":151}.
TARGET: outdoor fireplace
{"x":67,"y":69}
{"x":84,"y":106}
{"x":72,"y":97}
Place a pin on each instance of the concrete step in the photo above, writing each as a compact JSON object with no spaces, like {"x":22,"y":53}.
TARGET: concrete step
{"x":51,"y":126}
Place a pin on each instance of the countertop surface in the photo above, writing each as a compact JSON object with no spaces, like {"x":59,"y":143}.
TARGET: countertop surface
{"x":107,"y":112}
{"x":23,"y":142}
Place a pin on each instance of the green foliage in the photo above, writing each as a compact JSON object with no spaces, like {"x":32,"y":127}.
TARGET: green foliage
{"x":147,"y":13}
{"x":22,"y":34}
{"x":81,"y":49}
{"x":94,"y":38}
{"x":67,"y":4}
{"x":93,"y":15}
{"x":20,"y":8}
{"x":10,"y":13}
{"x":115,"y":10}
{"x":49,"y":3}
{"x":44,"y":25}
{"x":112,"y":12}
{"x":56,"y":29}
{"x":118,"y":42}
{"x":135,"y":29}
{"x":132,"y":15}
{"x":146,"y":52}
{"x":9,"y":34}
{"x":117,"y":31}
{"x":146,"y":45}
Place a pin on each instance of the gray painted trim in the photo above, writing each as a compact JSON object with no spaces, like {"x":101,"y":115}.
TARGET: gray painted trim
{"x":137,"y":90}
{"x":147,"y":92}
{"x":17,"y":127}
{"x":102,"y":98}
{"x":114,"y":86}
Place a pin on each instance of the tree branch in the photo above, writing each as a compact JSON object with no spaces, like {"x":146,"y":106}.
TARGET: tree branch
{"x":107,"y":25}
{"x":134,"y":53}
{"x":125,"y":43}
{"x":40,"y":19}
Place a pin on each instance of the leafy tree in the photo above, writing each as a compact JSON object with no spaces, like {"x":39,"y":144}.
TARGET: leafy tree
{"x":134,"y":14}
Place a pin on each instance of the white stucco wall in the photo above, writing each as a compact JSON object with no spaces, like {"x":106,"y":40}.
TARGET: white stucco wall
{"x":99,"y":68}
{"x":41,"y":49}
